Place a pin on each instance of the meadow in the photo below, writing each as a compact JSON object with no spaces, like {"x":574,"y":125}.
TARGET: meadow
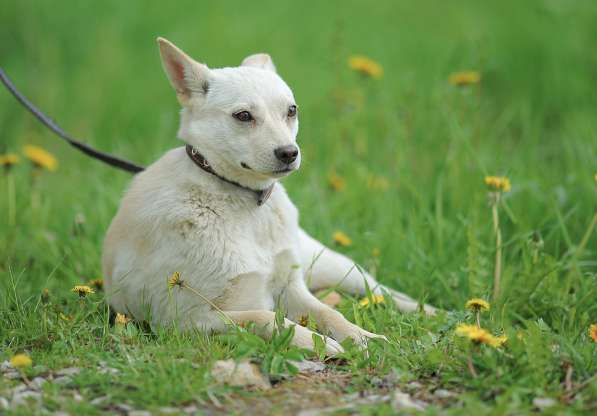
{"x":396,"y":161}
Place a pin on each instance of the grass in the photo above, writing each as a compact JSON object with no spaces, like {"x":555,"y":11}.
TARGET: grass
{"x":412,"y":149}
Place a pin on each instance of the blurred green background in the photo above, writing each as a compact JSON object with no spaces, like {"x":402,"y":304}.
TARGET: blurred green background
{"x":94,"y":67}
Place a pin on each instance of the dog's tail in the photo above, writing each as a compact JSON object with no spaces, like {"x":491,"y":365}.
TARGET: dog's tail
{"x":49,"y":123}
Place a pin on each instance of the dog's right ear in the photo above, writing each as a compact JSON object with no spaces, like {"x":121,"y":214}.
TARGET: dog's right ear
{"x":188,"y":77}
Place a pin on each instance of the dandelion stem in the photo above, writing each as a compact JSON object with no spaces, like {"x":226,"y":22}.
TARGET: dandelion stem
{"x":209,"y":302}
{"x":498,"y":248}
{"x":470,"y":365}
{"x":579,"y":249}
{"x":478,"y":319}
{"x":11,"y":199}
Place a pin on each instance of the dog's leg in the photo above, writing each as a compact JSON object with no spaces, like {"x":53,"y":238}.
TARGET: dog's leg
{"x":299,"y":301}
{"x":325,"y":268}
{"x":265,"y":321}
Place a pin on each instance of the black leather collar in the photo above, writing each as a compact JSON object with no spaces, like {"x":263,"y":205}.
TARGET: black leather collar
{"x":199,"y":160}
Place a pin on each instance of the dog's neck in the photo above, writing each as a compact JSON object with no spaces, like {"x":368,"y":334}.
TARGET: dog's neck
{"x":262,"y":193}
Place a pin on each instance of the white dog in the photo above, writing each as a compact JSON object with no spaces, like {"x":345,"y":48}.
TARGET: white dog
{"x":214,"y":212}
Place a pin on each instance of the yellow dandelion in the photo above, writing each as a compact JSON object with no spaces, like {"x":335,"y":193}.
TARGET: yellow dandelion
{"x":21,"y":361}
{"x":82,"y":290}
{"x":499,"y":341}
{"x":121,"y":319}
{"x":98,"y":284}
{"x":303,"y":320}
{"x":365,"y":66}
{"x":593,"y":332}
{"x":377,"y":299}
{"x":480,"y":335}
{"x":40,"y":157}
{"x":464,"y":78}
{"x":498,"y":183}
{"x":336,"y":182}
{"x":378,"y":183}
{"x":341,"y":239}
{"x":174,"y":280}
{"x":8,"y":160}
{"x":477,"y":304}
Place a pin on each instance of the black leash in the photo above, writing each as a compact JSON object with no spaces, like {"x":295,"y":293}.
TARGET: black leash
{"x":49,"y":123}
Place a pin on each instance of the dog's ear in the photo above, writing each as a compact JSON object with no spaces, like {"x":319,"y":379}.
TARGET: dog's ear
{"x":260,"y":60}
{"x":187,"y":76}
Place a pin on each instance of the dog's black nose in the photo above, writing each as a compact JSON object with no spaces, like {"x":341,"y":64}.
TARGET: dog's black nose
{"x":287,"y":154}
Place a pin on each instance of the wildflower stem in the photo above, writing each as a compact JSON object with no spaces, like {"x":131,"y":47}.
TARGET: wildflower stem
{"x":470,"y":365}
{"x":498,"y":248}
{"x":209,"y":302}
{"x":478,"y":319}
{"x":11,"y":199}
{"x":579,"y":249}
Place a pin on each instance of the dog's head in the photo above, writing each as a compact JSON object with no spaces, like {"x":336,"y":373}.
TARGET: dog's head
{"x":243,"y":120}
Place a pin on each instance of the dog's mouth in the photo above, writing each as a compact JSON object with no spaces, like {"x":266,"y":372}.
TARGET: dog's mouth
{"x":278,"y":172}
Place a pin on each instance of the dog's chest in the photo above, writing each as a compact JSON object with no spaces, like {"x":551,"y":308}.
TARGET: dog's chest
{"x":236,"y":237}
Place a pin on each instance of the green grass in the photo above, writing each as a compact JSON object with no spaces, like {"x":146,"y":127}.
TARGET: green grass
{"x":95,"y":69}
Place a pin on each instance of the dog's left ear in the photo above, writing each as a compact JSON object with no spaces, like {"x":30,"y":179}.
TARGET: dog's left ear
{"x":260,"y":60}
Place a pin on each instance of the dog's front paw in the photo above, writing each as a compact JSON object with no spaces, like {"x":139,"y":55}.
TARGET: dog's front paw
{"x":361,"y":337}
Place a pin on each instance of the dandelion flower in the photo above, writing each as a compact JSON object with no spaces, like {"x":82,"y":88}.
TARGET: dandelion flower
{"x":21,"y":361}
{"x":337,"y":182}
{"x":377,"y":299}
{"x":499,"y":341}
{"x":174,"y":280}
{"x":365,"y":66}
{"x":341,"y":239}
{"x":40,"y":158}
{"x":477,"y":304}
{"x":378,"y":183}
{"x":121,"y":319}
{"x":8,"y":160}
{"x":464,"y":78}
{"x":98,"y":284}
{"x":593,"y":332}
{"x":498,"y":183}
{"x":82,"y":290}
{"x":303,"y":320}
{"x":480,"y":335}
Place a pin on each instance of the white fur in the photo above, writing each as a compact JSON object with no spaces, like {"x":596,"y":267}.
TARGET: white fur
{"x":245,"y":258}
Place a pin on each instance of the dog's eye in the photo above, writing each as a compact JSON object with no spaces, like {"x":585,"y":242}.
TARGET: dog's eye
{"x":292,"y":111}
{"x":243,"y":116}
